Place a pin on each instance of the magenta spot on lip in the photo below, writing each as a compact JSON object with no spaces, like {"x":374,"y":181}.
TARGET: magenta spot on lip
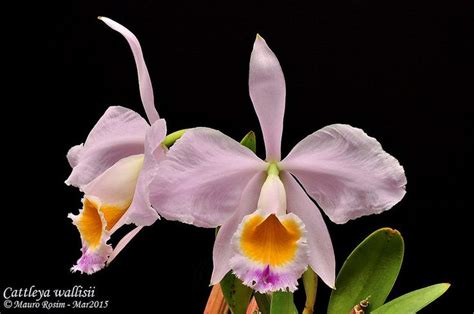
{"x":90,"y":262}
{"x":265,"y":279}
{"x":267,"y":276}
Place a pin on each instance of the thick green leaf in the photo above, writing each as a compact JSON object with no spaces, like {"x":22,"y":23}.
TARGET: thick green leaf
{"x":236,"y":294}
{"x":414,"y":301}
{"x":250,"y":141}
{"x":282,"y":303}
{"x":263,"y":302}
{"x":370,"y":270}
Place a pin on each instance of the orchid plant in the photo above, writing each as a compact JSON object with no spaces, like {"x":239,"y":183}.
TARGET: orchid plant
{"x":270,"y":231}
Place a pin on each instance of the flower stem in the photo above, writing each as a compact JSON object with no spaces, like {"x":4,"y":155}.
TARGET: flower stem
{"x":216,"y":303}
{"x":273,"y":169}
{"x":173,"y":137}
{"x":310,"y":281}
{"x":253,"y":307}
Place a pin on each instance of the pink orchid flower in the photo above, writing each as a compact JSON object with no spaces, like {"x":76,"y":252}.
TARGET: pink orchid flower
{"x":113,"y":169}
{"x":271,"y":229}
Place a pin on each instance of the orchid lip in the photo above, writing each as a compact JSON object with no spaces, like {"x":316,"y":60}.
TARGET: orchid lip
{"x":270,"y":251}
{"x":94,"y":223}
{"x":260,"y":237}
{"x":105,"y":203}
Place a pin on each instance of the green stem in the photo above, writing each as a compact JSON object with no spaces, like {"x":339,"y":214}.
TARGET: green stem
{"x":273,"y":169}
{"x":310,"y":282}
{"x":173,"y":137}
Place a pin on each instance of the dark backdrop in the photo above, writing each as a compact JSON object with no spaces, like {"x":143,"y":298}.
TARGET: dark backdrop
{"x":402,"y":71}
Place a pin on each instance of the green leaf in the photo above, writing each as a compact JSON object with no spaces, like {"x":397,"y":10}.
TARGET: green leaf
{"x":414,"y":301}
{"x":282,"y":303}
{"x":236,"y":294}
{"x":310,"y":282}
{"x":369,"y":271}
{"x":263,"y":302}
{"x":250,"y":141}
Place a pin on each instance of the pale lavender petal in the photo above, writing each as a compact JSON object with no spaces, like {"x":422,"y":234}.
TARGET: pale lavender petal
{"x":119,"y":133}
{"x":140,"y":212}
{"x":267,"y":90}
{"x":146,"y":88}
{"x":202,"y":178}
{"x":74,"y":154}
{"x":223,"y":250}
{"x":122,"y":243}
{"x":116,"y":186}
{"x":321,"y":252}
{"x":347,"y":172}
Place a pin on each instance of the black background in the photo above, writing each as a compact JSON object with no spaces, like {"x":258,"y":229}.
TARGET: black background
{"x":401,"y":70}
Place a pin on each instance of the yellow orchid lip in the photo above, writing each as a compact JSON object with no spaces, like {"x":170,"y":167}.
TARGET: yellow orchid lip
{"x":89,"y":224}
{"x":106,"y":201}
{"x":271,"y":251}
{"x":269,"y":240}
{"x":94,"y":215}
{"x":95,"y":222}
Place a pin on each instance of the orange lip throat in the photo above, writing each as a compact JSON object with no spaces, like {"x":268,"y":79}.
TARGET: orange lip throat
{"x":269,"y":240}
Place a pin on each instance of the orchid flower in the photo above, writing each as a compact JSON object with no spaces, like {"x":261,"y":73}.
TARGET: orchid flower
{"x":271,"y":229}
{"x":113,"y":169}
